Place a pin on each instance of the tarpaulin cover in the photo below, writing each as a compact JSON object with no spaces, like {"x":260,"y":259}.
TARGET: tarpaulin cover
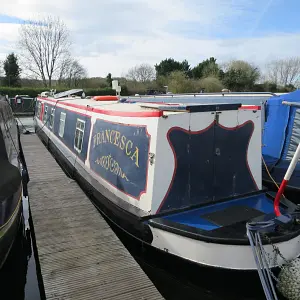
{"x":281,"y":131}
{"x":293,"y":134}
{"x":282,"y":136}
{"x":277,"y":117}
{"x":279,"y":171}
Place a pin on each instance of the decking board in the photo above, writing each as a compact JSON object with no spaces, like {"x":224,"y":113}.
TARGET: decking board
{"x":80,"y":255}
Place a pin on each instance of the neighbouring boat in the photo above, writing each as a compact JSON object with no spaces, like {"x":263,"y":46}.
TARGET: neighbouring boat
{"x":10,"y":180}
{"x":181,"y":178}
{"x":280,"y":139}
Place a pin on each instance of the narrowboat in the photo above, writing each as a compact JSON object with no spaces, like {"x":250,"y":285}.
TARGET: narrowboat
{"x":184,"y":179}
{"x":11,"y":189}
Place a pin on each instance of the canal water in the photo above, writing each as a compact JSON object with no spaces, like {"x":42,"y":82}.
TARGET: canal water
{"x":20,"y":276}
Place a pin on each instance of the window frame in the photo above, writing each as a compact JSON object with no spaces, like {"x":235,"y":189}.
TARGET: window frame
{"x":51,"y":120}
{"x":38,"y":110}
{"x":60,"y":124}
{"x":45,"y":113}
{"x":78,"y":120}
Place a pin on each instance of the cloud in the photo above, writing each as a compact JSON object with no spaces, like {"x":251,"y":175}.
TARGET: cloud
{"x":115,"y":35}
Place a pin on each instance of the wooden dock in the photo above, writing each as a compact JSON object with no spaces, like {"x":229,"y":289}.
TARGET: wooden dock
{"x":80,"y":256}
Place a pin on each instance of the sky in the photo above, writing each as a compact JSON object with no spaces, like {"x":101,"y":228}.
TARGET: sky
{"x":115,"y":35}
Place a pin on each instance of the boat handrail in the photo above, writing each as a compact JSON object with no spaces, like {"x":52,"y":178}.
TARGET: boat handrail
{"x":206,"y":94}
{"x":291,"y":103}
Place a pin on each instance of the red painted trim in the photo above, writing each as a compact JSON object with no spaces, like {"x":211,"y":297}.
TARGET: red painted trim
{"x":278,"y":196}
{"x":142,"y":114}
{"x":250,"y":107}
{"x":197,"y":132}
{"x":89,"y":141}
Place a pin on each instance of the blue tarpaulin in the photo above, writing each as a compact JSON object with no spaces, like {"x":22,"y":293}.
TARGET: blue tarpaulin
{"x":281,"y":135}
{"x":277,"y":117}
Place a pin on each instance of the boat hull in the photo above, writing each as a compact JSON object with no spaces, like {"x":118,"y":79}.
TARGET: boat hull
{"x":11,"y":188}
{"x":213,"y":255}
{"x":8,"y":233}
{"x":138,"y":238}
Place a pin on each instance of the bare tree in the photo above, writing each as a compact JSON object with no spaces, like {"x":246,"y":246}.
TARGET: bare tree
{"x":71,"y":72}
{"x":44,"y":45}
{"x":142,"y":73}
{"x":284,"y":71}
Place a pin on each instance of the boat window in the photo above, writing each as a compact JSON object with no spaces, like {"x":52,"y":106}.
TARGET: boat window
{"x":38,"y":110}
{"x":62,"y":121}
{"x":51,"y":118}
{"x":79,"y":132}
{"x":45,"y":113}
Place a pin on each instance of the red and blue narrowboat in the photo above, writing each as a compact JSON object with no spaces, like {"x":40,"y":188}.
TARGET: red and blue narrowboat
{"x":182,"y":178}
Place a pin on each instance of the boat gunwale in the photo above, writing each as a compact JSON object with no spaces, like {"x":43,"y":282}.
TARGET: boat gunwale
{"x":205,"y":236}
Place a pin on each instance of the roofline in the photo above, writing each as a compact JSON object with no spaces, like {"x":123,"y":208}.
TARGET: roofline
{"x":203,"y":94}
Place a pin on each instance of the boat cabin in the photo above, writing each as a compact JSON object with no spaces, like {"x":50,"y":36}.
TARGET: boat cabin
{"x":158,"y":156}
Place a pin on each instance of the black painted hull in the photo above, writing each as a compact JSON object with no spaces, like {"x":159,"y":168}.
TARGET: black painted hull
{"x":135,"y":234}
{"x":7,"y":240}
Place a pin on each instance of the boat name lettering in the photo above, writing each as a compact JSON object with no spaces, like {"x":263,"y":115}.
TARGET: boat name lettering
{"x":110,"y":164}
{"x":115,"y":137}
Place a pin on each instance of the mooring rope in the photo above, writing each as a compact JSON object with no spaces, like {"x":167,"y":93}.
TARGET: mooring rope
{"x":263,"y":267}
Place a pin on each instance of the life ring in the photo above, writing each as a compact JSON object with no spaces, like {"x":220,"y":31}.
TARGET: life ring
{"x":106,"y":98}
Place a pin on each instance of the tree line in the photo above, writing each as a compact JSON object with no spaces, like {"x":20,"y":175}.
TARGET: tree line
{"x":45,"y":61}
{"x":280,"y":75}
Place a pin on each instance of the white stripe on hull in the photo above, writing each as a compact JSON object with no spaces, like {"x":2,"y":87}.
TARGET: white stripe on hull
{"x":235,"y":257}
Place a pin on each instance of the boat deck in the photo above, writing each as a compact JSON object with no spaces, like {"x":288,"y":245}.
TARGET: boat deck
{"x":79,"y":254}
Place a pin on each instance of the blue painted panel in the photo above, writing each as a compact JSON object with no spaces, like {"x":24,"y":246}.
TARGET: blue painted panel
{"x":193,"y":217}
{"x":119,"y":154}
{"x":70,"y":126}
{"x":46,"y":118}
{"x":69,"y":132}
{"x":201,"y":176}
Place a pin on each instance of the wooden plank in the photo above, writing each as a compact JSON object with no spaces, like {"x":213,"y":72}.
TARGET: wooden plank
{"x":80,"y":256}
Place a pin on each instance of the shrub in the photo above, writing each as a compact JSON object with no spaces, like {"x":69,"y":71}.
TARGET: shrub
{"x":211,"y":84}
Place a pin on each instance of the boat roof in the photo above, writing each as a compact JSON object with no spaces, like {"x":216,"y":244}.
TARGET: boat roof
{"x":156,"y":105}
